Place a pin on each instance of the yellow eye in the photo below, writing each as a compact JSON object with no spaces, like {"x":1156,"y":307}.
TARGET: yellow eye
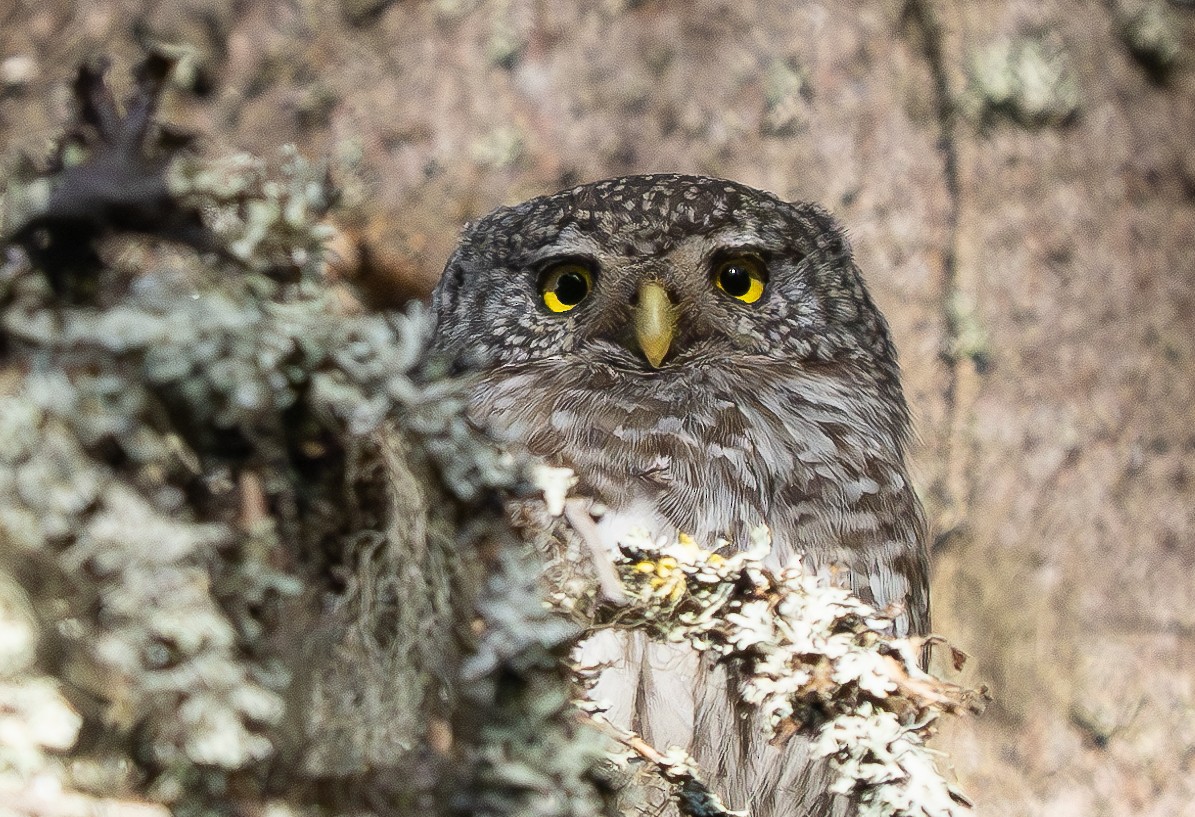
{"x":742,"y":277}
{"x":565,"y":285}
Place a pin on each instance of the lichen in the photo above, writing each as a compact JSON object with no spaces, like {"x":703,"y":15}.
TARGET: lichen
{"x":1152,"y":35}
{"x":244,"y":525}
{"x":787,"y":92}
{"x":1026,"y":79}
{"x":811,"y":658}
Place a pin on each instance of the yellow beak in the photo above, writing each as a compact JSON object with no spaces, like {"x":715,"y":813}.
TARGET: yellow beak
{"x":655,"y":321}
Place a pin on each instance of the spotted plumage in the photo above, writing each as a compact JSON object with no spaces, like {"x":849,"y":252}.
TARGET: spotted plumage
{"x":779,"y":404}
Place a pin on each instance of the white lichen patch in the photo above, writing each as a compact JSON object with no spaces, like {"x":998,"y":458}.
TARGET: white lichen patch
{"x":35,"y":720}
{"x":18,"y":629}
{"x":555,"y":484}
{"x":813,"y":658}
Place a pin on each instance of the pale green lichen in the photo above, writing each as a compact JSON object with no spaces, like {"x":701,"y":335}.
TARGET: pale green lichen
{"x":245,"y":523}
{"x":18,"y":629}
{"x":1153,"y":36}
{"x":266,"y":221}
{"x":499,"y":148}
{"x":528,"y":743}
{"x":968,"y":339}
{"x":36,"y":722}
{"x":786,"y":97}
{"x":1026,"y":79}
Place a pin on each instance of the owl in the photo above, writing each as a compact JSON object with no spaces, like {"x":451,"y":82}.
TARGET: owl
{"x":706,"y":358}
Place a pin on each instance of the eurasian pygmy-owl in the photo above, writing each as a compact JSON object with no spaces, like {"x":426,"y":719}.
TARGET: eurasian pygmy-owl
{"x":706,"y":358}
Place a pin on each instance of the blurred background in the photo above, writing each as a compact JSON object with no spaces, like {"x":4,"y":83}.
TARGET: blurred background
{"x":1018,"y":179}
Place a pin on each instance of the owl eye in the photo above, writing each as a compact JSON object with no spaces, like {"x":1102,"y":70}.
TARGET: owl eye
{"x":565,"y":285}
{"x":742,"y":277}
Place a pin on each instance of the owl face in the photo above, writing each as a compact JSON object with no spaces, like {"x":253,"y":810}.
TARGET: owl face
{"x":657,"y":277}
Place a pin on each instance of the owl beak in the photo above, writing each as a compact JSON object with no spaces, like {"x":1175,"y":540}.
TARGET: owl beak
{"x":655,"y":321}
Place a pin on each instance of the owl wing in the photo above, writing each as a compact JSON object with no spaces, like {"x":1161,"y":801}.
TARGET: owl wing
{"x":731,"y":739}
{"x":880,"y":555}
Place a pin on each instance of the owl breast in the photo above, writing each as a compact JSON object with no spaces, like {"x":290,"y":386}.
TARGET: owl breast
{"x":715,"y":451}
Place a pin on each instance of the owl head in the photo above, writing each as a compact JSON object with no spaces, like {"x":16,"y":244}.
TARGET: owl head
{"x":658,"y":278}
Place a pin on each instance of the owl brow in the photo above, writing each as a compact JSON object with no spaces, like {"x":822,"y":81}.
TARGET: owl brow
{"x":542,"y":263}
{"x":731,"y":250}
{"x":565,"y":248}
